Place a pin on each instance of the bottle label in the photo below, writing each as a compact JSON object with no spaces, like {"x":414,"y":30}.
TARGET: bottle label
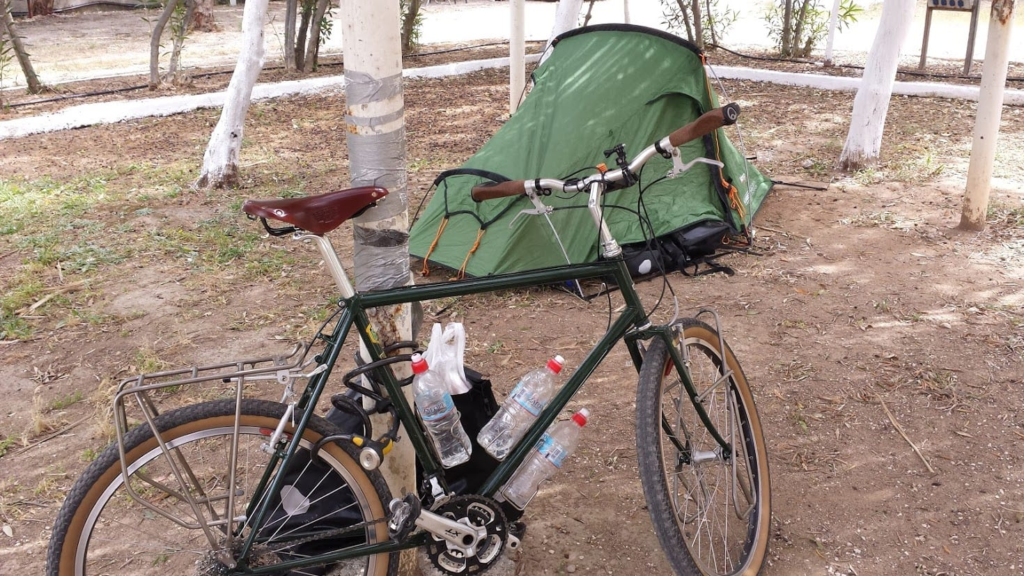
{"x":527,"y":399}
{"x":438,"y":409}
{"x":552,"y":450}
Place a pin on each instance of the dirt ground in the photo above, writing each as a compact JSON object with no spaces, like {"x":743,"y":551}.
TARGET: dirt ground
{"x":884,"y":346}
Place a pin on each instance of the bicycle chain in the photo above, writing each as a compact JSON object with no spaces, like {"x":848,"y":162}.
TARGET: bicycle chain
{"x":327,"y":534}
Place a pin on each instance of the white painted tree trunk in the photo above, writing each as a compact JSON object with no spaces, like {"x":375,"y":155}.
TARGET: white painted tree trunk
{"x":833,"y":22}
{"x":375,"y":131}
{"x":566,"y":16}
{"x":871,"y":104}
{"x":220,"y":163}
{"x":516,"y":54}
{"x":990,"y":110}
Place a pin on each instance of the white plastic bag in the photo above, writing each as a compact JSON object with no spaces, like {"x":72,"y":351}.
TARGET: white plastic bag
{"x":445,"y":353}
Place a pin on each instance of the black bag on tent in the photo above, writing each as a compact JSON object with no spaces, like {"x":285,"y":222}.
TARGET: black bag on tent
{"x":683,"y":250}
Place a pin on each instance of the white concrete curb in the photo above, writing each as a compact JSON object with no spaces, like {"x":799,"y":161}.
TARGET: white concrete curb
{"x":119,"y":111}
{"x":929,"y":89}
{"x":111,"y":112}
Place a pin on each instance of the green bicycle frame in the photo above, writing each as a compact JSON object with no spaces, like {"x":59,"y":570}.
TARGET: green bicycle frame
{"x":631,"y":325}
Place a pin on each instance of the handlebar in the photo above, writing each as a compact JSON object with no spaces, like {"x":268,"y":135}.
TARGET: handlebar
{"x":705,"y":124}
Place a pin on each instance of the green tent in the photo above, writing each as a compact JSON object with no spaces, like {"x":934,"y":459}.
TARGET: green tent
{"x":601,"y":86}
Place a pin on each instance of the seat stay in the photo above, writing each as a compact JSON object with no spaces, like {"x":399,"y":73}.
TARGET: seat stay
{"x":317,"y":214}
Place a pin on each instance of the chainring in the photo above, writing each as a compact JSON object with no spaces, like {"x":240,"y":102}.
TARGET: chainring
{"x":476,"y":511}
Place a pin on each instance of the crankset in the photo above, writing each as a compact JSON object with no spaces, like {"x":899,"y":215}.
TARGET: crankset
{"x":488,"y":521}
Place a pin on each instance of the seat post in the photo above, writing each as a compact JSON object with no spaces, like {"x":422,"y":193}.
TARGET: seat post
{"x":333,"y":263}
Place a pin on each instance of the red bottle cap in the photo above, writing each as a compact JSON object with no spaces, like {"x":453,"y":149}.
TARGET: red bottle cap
{"x":419,"y":364}
{"x":580,"y":418}
{"x":555,"y":364}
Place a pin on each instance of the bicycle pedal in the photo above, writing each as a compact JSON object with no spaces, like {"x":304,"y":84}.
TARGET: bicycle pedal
{"x":404,"y":513}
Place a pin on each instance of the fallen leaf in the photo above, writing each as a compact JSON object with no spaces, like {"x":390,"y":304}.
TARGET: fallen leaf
{"x":9,"y":531}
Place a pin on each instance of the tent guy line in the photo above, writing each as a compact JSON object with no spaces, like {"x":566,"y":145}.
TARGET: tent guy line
{"x":119,"y":111}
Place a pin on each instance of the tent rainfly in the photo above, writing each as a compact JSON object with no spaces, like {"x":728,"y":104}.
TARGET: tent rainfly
{"x":601,"y":86}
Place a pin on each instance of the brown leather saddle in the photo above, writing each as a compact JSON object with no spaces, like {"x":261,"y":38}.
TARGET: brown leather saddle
{"x":315,"y":214}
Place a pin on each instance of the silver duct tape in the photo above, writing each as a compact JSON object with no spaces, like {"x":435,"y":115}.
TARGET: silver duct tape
{"x":379,"y":160}
{"x":381,"y":258}
{"x":375,"y":121}
{"x":362,"y":88}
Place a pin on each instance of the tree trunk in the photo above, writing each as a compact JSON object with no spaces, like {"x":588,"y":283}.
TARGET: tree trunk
{"x":179,"y":40}
{"x":409,"y":24}
{"x":871,"y":104}
{"x":313,"y":45}
{"x":375,"y":132}
{"x":711,"y":22}
{"x":203,"y":19}
{"x":590,"y":9}
{"x":220,"y":163}
{"x":787,"y":28}
{"x":40,"y":7}
{"x":565,"y":19}
{"x":698,"y":26}
{"x":990,"y":110}
{"x":300,"y":41}
{"x":798,"y":32}
{"x":684,"y":12}
{"x":154,"y":43}
{"x":34,"y":86}
{"x":290,"y":47}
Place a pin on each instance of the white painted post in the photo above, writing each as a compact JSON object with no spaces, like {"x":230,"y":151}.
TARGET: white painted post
{"x":375,"y":132}
{"x":625,"y":11}
{"x":516,"y":54}
{"x":990,"y":110}
{"x":871,"y":104}
{"x":832,"y":23}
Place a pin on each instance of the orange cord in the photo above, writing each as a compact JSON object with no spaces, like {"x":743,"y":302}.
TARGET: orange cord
{"x":440,"y":230}
{"x":462,"y":270}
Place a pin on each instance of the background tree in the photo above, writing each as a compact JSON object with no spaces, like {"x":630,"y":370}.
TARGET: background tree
{"x":703,"y":22}
{"x":9,"y":35}
{"x":871,"y":104}
{"x":411,"y":20}
{"x":40,"y":8}
{"x":797,"y":26}
{"x":220,"y":162}
{"x":203,"y":19}
{"x":177,"y":13}
{"x":303,"y":36}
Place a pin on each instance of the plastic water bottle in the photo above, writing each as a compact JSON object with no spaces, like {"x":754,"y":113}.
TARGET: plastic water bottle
{"x":546,"y":458}
{"x":436,"y":409}
{"x":520,"y":410}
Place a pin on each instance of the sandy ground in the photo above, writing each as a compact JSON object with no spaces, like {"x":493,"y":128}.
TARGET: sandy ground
{"x":884,"y":346}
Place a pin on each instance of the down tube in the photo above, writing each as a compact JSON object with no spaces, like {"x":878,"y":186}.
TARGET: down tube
{"x":554,"y":408}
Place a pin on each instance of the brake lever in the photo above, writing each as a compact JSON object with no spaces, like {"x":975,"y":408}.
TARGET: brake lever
{"x":538,"y":209}
{"x":678,"y":167}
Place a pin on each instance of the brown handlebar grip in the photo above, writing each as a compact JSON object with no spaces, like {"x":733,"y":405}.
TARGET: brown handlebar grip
{"x":706,"y":124}
{"x":499,"y":190}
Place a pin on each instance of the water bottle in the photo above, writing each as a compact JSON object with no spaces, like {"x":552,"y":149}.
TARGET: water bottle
{"x":546,"y":458}
{"x":436,"y":409}
{"x":520,"y":410}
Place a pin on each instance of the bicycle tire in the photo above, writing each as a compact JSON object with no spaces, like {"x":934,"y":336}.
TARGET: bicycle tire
{"x":98,"y":522}
{"x":689,"y":489}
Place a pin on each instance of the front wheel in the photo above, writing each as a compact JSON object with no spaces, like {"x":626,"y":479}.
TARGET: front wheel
{"x":711,"y":507}
{"x":101,"y":529}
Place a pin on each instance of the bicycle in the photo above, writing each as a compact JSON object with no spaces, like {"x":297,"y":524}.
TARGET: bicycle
{"x":238,"y":485}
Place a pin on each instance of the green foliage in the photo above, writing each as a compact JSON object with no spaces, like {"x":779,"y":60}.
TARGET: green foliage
{"x":677,"y":15}
{"x":807,"y":25}
{"x":326,"y":25}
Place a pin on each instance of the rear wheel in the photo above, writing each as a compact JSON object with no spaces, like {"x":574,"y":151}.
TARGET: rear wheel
{"x":101,"y":529}
{"x":711,"y":511}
